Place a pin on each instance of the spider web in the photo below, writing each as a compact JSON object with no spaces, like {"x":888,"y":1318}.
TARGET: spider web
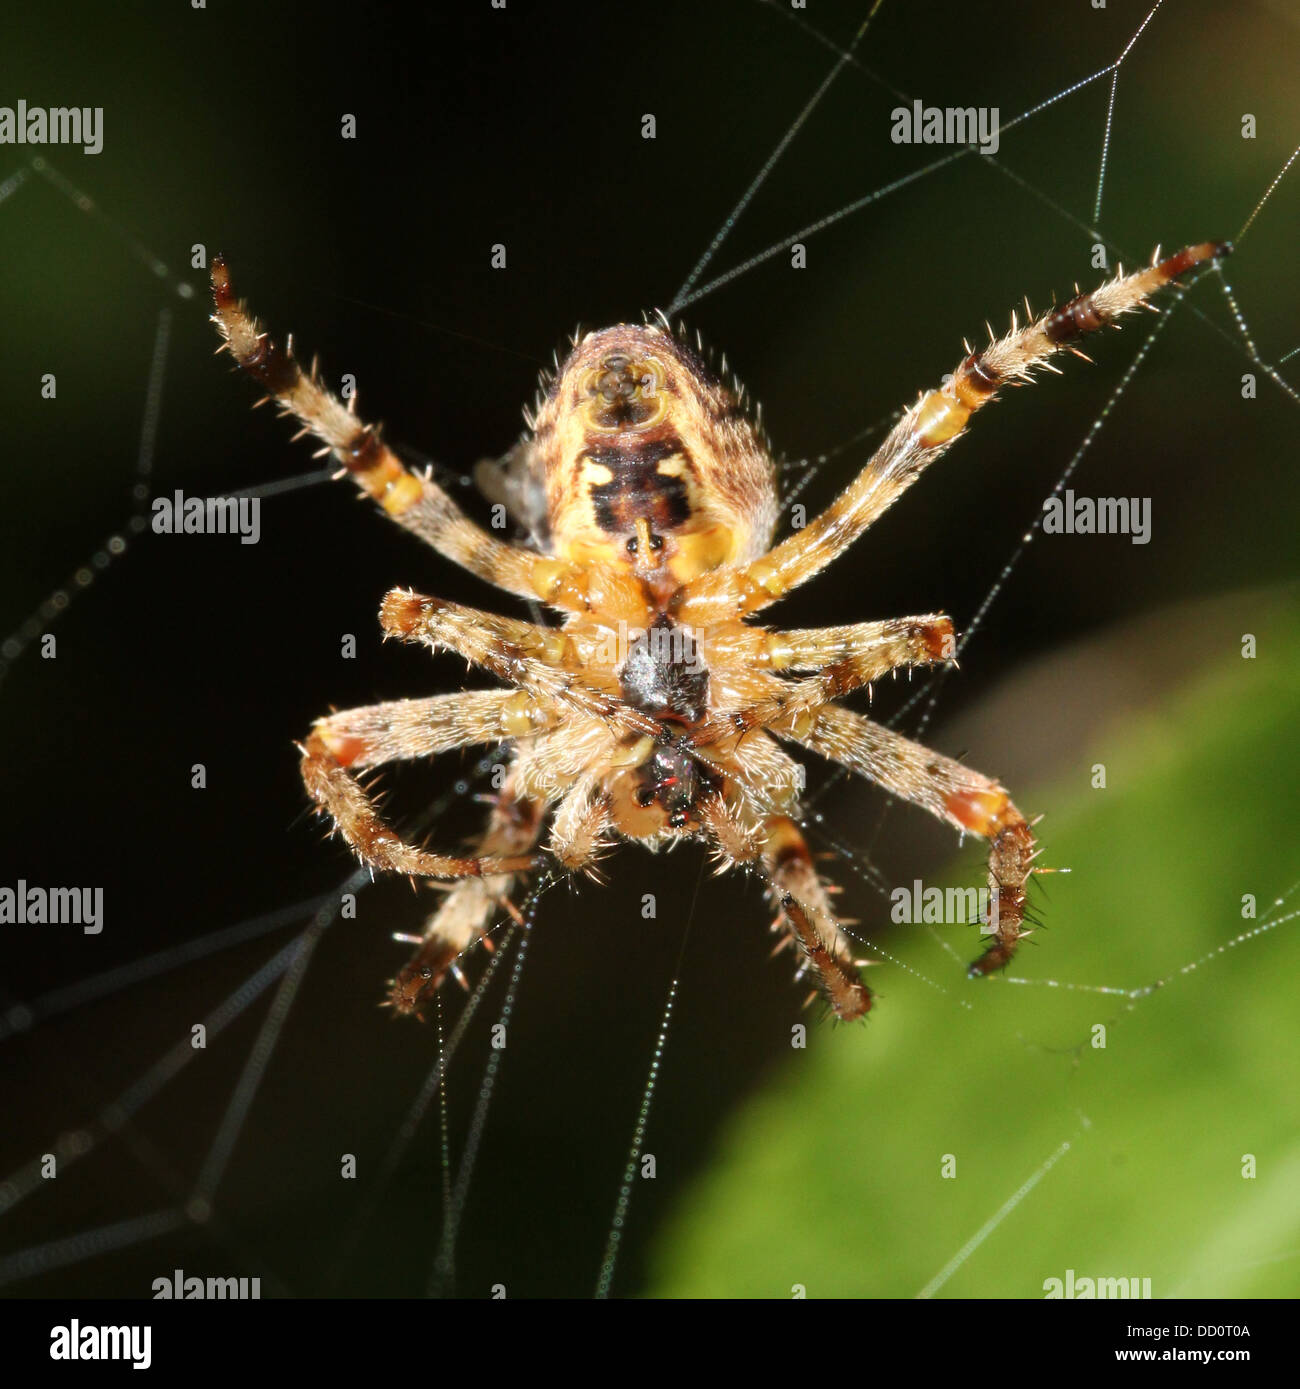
{"x":225,"y":1157}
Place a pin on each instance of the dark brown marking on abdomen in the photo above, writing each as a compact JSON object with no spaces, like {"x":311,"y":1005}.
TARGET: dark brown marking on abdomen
{"x":637,"y":490}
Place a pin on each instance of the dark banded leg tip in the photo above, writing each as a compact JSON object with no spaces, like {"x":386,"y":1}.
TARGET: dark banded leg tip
{"x":220,"y":278}
{"x":996,"y":957}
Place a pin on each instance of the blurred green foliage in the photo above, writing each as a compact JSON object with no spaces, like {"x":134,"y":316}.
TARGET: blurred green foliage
{"x":831,"y":1177}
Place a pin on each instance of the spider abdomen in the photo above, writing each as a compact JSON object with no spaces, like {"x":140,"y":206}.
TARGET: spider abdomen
{"x":649,"y":461}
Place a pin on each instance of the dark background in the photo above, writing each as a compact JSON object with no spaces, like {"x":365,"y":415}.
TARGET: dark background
{"x":523,"y":127}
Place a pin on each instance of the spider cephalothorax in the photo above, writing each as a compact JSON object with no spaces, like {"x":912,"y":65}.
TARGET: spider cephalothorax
{"x":657,"y":709}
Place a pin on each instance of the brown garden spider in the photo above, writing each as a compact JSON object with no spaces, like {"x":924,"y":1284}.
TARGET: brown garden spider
{"x":650,"y":711}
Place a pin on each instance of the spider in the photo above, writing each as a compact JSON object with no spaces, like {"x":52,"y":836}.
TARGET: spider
{"x":658,"y":710}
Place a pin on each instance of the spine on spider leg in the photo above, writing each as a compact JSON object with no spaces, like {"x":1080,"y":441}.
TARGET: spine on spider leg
{"x":355,"y":445}
{"x":941,"y":415}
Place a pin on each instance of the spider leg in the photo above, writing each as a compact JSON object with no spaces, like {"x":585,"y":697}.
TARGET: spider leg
{"x":895,"y":642}
{"x":401,"y":730}
{"x":774,"y":843}
{"x":923,"y":433}
{"x":731,"y":826}
{"x":541,"y":660}
{"x":462,"y":915}
{"x":768,"y":777}
{"x":809,"y":920}
{"x":580,"y":825}
{"x":845,"y":658}
{"x":416,"y":503}
{"x":757,"y":779}
{"x":384,"y":733}
{"x":546,"y":768}
{"x":954,"y":793}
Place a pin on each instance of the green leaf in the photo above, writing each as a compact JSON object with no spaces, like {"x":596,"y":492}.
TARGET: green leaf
{"x":831,"y":1178}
